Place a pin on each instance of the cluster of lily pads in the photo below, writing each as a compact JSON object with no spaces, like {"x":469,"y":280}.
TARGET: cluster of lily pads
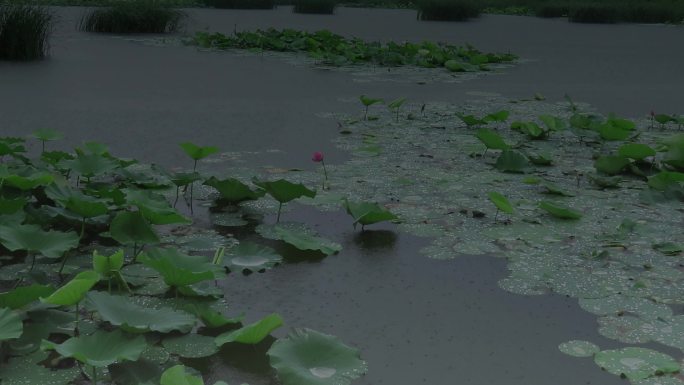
{"x":594,"y":205}
{"x":334,"y":49}
{"x":102,"y":279}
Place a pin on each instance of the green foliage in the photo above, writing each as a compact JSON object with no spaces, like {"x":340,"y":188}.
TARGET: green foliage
{"x":636,"y":151}
{"x":559,"y":211}
{"x":367,"y":213}
{"x":448,"y":10}
{"x":512,"y":161}
{"x":491,"y":139}
{"x":31,"y":238}
{"x":10,"y":325}
{"x":611,"y":165}
{"x":471,"y":120}
{"x":141,"y":16}
{"x":179,"y":269}
{"x":500,"y":202}
{"x":594,"y":13}
{"x":499,"y":116}
{"x":307,"y":357}
{"x":196,"y":152}
{"x":24,"y":295}
{"x":177,"y":375}
{"x":636,"y":363}
{"x":24,"y":32}
{"x":665,"y":180}
{"x":251,"y":257}
{"x":300,"y":237}
{"x":253,"y":333}
{"x":73,"y":291}
{"x":132,"y":228}
{"x":100,"y":348}
{"x":232,"y":190}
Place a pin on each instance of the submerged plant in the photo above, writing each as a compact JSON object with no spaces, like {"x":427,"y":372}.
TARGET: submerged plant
{"x":24,"y":32}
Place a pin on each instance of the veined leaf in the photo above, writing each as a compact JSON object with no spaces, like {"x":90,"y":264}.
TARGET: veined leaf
{"x":253,"y":333}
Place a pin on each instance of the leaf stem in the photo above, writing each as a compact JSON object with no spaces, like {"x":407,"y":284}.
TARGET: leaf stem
{"x":280,"y":206}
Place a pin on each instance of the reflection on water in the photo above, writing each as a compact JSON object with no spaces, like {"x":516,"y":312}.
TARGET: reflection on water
{"x":375,"y":240}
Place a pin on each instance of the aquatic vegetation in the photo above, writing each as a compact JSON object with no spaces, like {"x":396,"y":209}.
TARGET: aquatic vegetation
{"x":24,"y":32}
{"x":395,"y":106}
{"x":501,"y":203}
{"x":143,"y":16}
{"x":315,"y":6}
{"x":367,"y":213}
{"x":448,"y":10}
{"x":318,"y":158}
{"x":284,"y":191}
{"x":337,"y":50}
{"x":367,"y":102}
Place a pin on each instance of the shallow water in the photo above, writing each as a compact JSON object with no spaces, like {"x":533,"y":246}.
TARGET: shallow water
{"x":415,"y":320}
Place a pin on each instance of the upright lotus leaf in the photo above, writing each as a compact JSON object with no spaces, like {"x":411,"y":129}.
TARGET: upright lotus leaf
{"x":559,"y":211}
{"x":307,"y":357}
{"x":105,"y":265}
{"x":610,"y":130}
{"x":101,"y":348}
{"x":555,"y":190}
{"x":209,"y":316}
{"x":73,"y":291}
{"x":531,"y":129}
{"x":198,"y":152}
{"x":33,"y":239}
{"x":491,"y":139}
{"x":512,"y":161}
{"x":141,"y":372}
{"x":47,"y":134}
{"x":367,"y":102}
{"x":636,"y":363}
{"x":367,"y":213}
{"x":611,"y":165}
{"x":675,"y":151}
{"x":86,"y":206}
{"x":252,"y":257}
{"x":154,"y":207}
{"x":10,"y":324}
{"x":179,"y":269}
{"x":553,"y":123}
{"x":232,"y":190}
{"x":499,"y":116}
{"x":395,"y":106}
{"x":661,"y":181}
{"x":28,"y":179}
{"x":500,"y":202}
{"x":119,"y":311}
{"x":636,"y":151}
{"x":578,"y":348}
{"x":11,"y":206}
{"x":471,"y":120}
{"x":284,"y":191}
{"x":90,"y":165}
{"x":540,"y":159}
{"x":299,"y":236}
{"x":177,"y":375}
{"x":131,"y":228}
{"x":253,"y":333}
{"x":22,"y":296}
{"x":190,"y":345}
{"x":27,"y":370}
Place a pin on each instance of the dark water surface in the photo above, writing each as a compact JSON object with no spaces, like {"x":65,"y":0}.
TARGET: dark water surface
{"x":415,"y":320}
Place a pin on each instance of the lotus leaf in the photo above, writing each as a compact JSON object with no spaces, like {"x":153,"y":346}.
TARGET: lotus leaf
{"x":500,"y":202}
{"x":636,"y":151}
{"x":251,"y":257}
{"x":131,"y":228}
{"x":512,"y":161}
{"x":284,"y":191}
{"x":611,"y":165}
{"x":367,"y":213}
{"x":28,"y":182}
{"x":119,"y":311}
{"x":198,"y":152}
{"x":33,"y":239}
{"x":559,"y":211}
{"x":636,"y":363}
{"x":10,"y":324}
{"x":73,"y":291}
{"x":553,"y":123}
{"x":90,"y":165}
{"x":100,"y":348}
{"x":190,"y":345}
{"x":179,"y":269}
{"x":253,"y":333}
{"x":24,"y":295}
{"x":232,"y":190}
{"x":176,"y":375}
{"x":578,"y":348}
{"x":155,"y":208}
{"x":491,"y":139}
{"x":26,"y":370}
{"x":307,"y":357}
{"x":661,"y":181}
{"x":11,"y":206}
{"x":499,"y":116}
{"x":47,"y":134}
{"x":106,"y":265}
{"x":141,"y":372}
{"x":668,"y":248}
{"x":471,"y":120}
{"x":300,"y":237}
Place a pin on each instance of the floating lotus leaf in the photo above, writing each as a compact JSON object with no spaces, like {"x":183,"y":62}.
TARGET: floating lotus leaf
{"x":500,"y":202}
{"x":635,"y":363}
{"x":665,"y":179}
{"x":578,"y":348}
{"x":179,"y":269}
{"x":252,"y":257}
{"x":33,"y":239}
{"x":26,"y":370}
{"x":659,"y":380}
{"x":22,"y":296}
{"x":559,"y":211}
{"x":252,"y":333}
{"x":119,"y":311}
{"x":553,"y":123}
{"x":613,"y":132}
{"x":155,"y":208}
{"x":232,"y":190}
{"x":617,"y":304}
{"x":611,"y":165}
{"x":512,"y":161}
{"x":100,"y":348}
{"x":10,"y":324}
{"x":668,"y":248}
{"x":491,"y":139}
{"x":131,"y":228}
{"x":190,"y":345}
{"x":626,"y":328}
{"x":300,"y":237}
{"x":367,"y":213}
{"x":73,"y":291}
{"x":307,"y":357}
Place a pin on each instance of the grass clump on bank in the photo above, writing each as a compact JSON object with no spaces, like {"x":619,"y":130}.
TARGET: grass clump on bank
{"x":24,"y":32}
{"x":448,"y":10}
{"x":315,"y":6}
{"x":241,"y":4}
{"x":142,"y":16}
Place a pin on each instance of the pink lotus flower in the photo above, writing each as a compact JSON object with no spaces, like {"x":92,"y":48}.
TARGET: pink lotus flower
{"x":317,"y":156}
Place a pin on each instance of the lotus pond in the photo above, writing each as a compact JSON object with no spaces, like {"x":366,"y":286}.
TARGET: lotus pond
{"x":484,"y":241}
